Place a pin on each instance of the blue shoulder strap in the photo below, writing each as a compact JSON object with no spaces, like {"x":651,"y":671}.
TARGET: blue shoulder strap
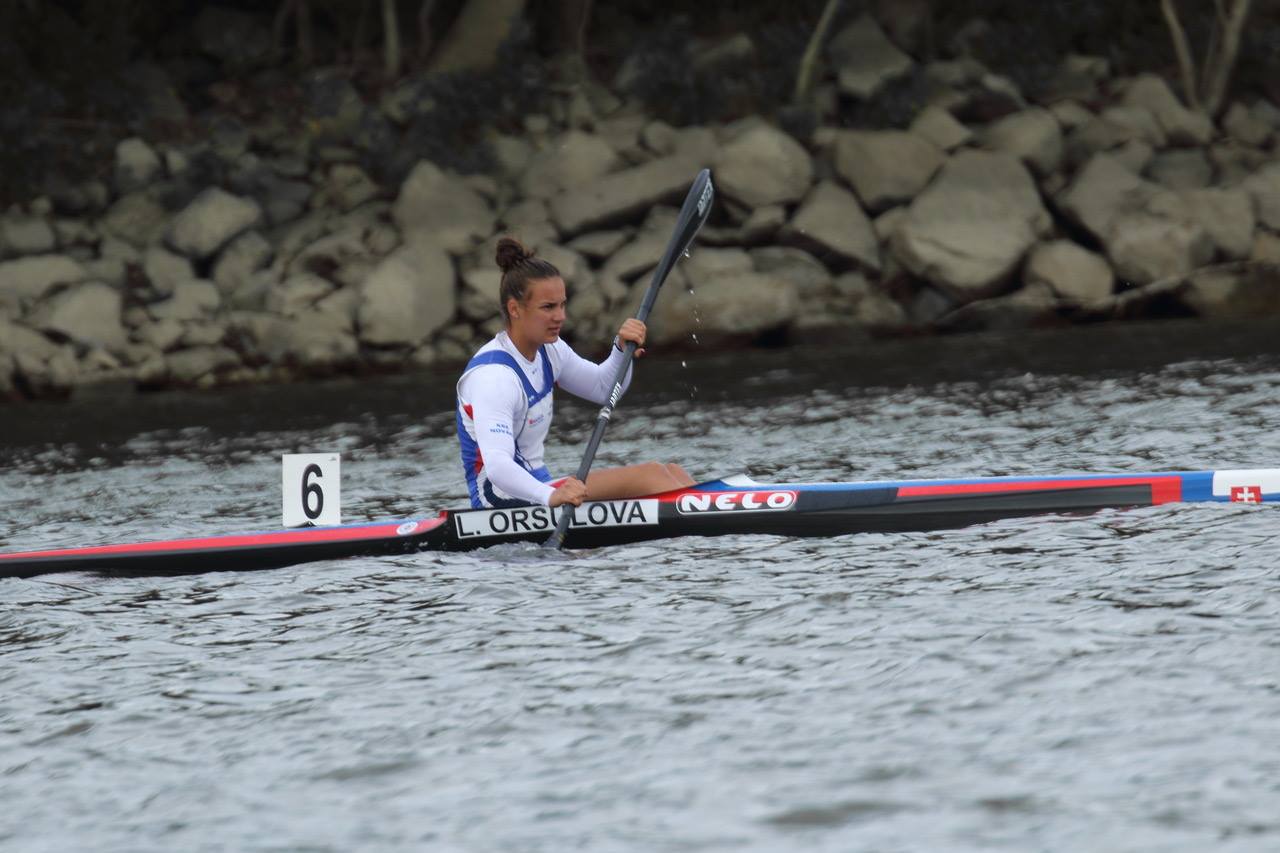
{"x":500,"y":357}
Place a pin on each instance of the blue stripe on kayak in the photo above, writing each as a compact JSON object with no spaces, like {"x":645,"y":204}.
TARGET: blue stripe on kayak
{"x":1196,"y":485}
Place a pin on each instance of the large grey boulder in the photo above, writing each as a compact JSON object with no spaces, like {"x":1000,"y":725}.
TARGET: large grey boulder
{"x":1145,"y":247}
{"x":573,"y":267}
{"x":164,"y":335}
{"x":864,"y":58}
{"x":1095,"y":136}
{"x":210,"y":221}
{"x":478,"y":300}
{"x":529,"y":213}
{"x":1264,"y":187}
{"x":811,"y":278}
{"x":1150,"y":232}
{"x":1102,"y":191}
{"x":726,"y":308}
{"x":442,"y":210}
{"x":298,"y":293}
{"x":165,"y":270}
{"x":1028,"y":307}
{"x":620,"y":196}
{"x":599,"y":245}
{"x":886,"y":167}
{"x":17,"y":337}
{"x":570,"y":160}
{"x":346,"y":187}
{"x":644,"y":250}
{"x":26,"y":235}
{"x":941,"y":128}
{"x":409,"y":296}
{"x":137,"y":219}
{"x":199,"y":365}
{"x":1070,"y":114}
{"x":858,"y":307}
{"x":1181,"y":169}
{"x":1033,"y":136}
{"x":242,"y":257}
{"x":137,"y":164}
{"x":195,"y":299}
{"x":315,"y":341}
{"x":970,"y":229}
{"x":704,"y":263}
{"x":1182,"y":126}
{"x":26,"y":279}
{"x":1072,"y":272}
{"x":88,"y":314}
{"x":763,"y":166}
{"x":331,"y":252}
{"x":1226,"y":216}
{"x":1243,"y":126}
{"x":831,"y":224}
{"x":1238,"y":291}
{"x":46,"y":376}
{"x":1138,"y":121}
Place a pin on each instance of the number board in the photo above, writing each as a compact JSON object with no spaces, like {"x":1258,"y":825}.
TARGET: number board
{"x":312,"y":489}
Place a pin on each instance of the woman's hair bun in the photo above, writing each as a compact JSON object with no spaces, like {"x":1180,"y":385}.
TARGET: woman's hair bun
{"x":510,"y":254}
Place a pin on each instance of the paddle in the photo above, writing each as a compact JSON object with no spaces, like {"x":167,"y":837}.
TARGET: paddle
{"x":697,"y":205}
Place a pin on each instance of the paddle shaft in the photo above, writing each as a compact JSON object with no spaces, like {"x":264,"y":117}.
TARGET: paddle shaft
{"x":602,"y":422}
{"x":696,"y":208}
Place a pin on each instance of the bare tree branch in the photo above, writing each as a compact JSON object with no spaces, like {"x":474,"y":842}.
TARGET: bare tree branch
{"x":390,"y":39}
{"x":1186,"y":63}
{"x":582,"y":31}
{"x":808,"y":62}
{"x":1216,"y":88}
{"x":1215,"y":46}
{"x":304,"y":31}
{"x":426,"y":41}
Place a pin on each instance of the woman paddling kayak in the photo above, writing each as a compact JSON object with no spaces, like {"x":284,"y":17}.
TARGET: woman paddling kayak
{"x":505,"y":397}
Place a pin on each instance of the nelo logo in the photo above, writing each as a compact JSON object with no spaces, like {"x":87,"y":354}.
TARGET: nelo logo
{"x":692,"y":502}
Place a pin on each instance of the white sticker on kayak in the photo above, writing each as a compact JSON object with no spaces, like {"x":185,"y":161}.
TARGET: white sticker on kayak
{"x":1246,"y":485}
{"x":540,"y":519}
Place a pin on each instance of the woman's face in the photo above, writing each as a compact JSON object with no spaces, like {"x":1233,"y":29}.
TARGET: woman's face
{"x":539,"y":318}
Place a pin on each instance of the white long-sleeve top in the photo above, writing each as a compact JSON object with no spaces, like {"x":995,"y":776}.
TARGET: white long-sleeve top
{"x":502,"y":436}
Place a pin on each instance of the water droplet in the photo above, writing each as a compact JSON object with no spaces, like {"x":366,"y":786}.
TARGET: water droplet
{"x":684,"y":363}
{"x":686,"y":253}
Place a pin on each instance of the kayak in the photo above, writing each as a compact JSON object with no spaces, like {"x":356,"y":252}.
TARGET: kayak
{"x":730,"y":506}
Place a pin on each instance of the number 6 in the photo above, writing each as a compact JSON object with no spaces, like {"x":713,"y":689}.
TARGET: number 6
{"x":309,"y":489}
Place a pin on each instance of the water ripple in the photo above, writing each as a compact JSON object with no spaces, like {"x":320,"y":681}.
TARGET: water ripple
{"x":1108,"y":681}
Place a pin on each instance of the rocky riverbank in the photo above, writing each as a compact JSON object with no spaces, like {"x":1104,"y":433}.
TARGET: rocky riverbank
{"x":256,"y":254}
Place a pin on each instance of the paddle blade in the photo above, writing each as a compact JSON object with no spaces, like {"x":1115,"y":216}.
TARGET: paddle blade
{"x":693,"y":213}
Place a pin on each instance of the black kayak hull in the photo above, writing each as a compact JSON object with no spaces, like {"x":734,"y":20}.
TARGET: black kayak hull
{"x":731,"y":506}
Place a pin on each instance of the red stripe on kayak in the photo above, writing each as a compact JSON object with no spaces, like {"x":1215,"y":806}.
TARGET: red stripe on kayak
{"x":1163,"y":489}
{"x":311,"y":535}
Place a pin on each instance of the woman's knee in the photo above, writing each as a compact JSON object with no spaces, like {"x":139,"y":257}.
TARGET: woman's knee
{"x":677,"y":473}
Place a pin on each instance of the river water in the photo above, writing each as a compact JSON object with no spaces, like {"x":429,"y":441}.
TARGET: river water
{"x":1101,"y":682}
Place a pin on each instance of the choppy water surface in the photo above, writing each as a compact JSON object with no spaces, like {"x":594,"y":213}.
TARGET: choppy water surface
{"x":1109,"y":682}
